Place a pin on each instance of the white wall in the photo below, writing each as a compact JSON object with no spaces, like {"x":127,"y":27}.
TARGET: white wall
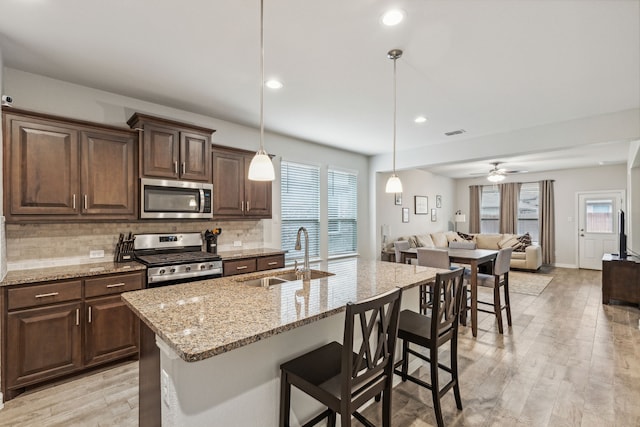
{"x":567,"y":183}
{"x":415,"y":183}
{"x":39,"y":93}
{"x":633,"y":198}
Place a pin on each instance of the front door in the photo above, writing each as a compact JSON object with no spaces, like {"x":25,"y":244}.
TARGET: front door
{"x":597,"y":226}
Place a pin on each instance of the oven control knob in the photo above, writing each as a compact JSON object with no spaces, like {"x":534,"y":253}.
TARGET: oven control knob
{"x":161,"y":271}
{"x":173,"y":270}
{"x":203,"y":266}
{"x":210,"y":266}
{"x":187,"y":268}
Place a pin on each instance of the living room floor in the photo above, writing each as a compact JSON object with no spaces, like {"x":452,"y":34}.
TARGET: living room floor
{"x":568,"y":360}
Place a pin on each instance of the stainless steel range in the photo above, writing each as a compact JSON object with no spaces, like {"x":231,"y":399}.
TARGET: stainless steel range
{"x":175,"y":258}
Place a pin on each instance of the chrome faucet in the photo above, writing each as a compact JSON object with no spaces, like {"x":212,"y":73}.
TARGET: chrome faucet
{"x":305,"y":270}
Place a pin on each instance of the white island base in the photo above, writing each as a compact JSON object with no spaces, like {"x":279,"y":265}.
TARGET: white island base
{"x":242,"y":387}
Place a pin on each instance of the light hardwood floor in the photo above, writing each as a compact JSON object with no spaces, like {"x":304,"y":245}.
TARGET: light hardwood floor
{"x":568,"y":360}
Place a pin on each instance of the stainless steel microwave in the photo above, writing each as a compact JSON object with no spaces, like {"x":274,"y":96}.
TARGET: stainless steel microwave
{"x":162,"y":198}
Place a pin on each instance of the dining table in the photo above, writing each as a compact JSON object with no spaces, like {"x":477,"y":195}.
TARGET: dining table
{"x":472,"y":257}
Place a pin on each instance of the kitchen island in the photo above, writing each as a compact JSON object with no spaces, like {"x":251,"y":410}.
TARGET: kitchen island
{"x":222,"y":341}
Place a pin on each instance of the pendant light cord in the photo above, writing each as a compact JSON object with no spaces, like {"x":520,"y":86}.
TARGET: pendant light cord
{"x":261,"y":76}
{"x":395,"y":101}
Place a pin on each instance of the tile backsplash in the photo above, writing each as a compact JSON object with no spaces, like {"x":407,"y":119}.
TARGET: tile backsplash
{"x":43,"y":245}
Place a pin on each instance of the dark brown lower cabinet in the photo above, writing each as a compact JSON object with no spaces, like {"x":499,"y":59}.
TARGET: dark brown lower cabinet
{"x":111,"y":330}
{"x":45,"y":342}
{"x":61,"y":327}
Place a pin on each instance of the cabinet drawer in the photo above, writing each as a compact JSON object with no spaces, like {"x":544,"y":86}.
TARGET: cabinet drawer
{"x":270,"y":262}
{"x":37,"y":295}
{"x":108,"y":285}
{"x":239,"y":267}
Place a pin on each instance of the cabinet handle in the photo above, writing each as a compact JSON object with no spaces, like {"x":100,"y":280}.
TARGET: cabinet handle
{"x":73,"y":201}
{"x":89,"y":314}
{"x":248,"y":205}
{"x":273,"y":263}
{"x":85,"y":202}
{"x":242,"y":206}
{"x":184,"y":168}
{"x":115,"y":285}
{"x":242,"y":267}
{"x":175,"y":167}
{"x":77,"y":317}
{"x":50,"y":294}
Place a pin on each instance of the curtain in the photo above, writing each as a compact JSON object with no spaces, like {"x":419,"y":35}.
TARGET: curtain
{"x":547,"y":222}
{"x":474,"y":208}
{"x":509,"y":207}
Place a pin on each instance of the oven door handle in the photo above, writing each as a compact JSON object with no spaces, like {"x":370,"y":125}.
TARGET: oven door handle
{"x":186,"y":275}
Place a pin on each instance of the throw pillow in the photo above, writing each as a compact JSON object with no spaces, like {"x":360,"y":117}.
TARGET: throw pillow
{"x":523,"y":242}
{"x":465,"y":236}
{"x":508,"y":241}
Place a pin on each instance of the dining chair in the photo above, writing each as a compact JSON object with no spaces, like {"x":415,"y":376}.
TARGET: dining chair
{"x":345,"y":376}
{"x":398,"y":247}
{"x":433,"y":257}
{"x":432,"y":332}
{"x":499,"y":279}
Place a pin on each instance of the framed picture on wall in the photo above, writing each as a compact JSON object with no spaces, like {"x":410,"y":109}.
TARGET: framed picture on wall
{"x":398,"y":198}
{"x":438,"y":201}
{"x":405,"y":214}
{"x":434,"y":215}
{"x":421,"y":205}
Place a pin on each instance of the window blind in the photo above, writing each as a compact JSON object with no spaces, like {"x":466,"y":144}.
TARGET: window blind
{"x":490,"y":209}
{"x":342,"y":212}
{"x":528,"y":210}
{"x":300,"y":200}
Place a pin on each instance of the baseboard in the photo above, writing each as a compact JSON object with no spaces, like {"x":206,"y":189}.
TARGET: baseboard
{"x":565,"y":265}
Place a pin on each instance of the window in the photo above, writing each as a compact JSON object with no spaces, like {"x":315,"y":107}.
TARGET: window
{"x":599,"y":218}
{"x":528,"y":210}
{"x":490,"y":209}
{"x":343,"y":212}
{"x":300,"y":199}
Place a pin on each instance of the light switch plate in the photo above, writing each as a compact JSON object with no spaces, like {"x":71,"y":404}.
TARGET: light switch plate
{"x":96,"y":254}
{"x":237,"y":243}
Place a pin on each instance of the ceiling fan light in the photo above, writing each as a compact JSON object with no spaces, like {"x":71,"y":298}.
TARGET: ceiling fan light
{"x":261,"y":167}
{"x":495,"y":177}
{"x":394,"y":185}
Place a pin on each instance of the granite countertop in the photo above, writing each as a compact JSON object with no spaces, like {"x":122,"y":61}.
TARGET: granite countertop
{"x":34,"y":275}
{"x":248,"y":253}
{"x":201,"y":319}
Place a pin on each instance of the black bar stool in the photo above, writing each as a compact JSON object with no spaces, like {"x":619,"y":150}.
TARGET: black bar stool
{"x":344,"y":376}
{"x":431,"y":332}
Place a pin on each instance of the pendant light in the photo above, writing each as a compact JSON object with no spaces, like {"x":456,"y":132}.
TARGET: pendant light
{"x":261,"y":167}
{"x":394,"y":185}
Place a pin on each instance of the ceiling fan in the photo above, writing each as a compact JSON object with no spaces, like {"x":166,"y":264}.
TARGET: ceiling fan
{"x":498,"y":174}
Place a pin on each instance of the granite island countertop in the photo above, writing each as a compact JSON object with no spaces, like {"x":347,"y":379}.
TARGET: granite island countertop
{"x":35,"y":275}
{"x":248,"y":253}
{"x":199,"y":320}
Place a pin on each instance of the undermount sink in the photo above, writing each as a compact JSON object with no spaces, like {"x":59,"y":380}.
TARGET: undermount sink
{"x":288,"y":276}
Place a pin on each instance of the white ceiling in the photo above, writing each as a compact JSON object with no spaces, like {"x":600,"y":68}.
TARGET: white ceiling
{"x":485,"y":66}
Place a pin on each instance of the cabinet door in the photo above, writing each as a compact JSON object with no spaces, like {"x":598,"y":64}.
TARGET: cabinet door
{"x":43,"y":343}
{"x":228,"y":183}
{"x":111,"y":331}
{"x":194,"y":157}
{"x":160,"y":150}
{"x":258,"y":196}
{"x":44,"y":168}
{"x":108,"y":174}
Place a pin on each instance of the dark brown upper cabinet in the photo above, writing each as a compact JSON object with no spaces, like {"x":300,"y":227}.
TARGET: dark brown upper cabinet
{"x":64,"y":169}
{"x":173,"y":150}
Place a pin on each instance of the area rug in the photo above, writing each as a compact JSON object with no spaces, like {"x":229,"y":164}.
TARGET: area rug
{"x":528,"y":283}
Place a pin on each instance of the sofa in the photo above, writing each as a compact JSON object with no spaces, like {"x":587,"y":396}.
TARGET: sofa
{"x":524,"y":257}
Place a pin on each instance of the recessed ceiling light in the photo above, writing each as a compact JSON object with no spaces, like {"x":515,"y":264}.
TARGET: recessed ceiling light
{"x":392,"y":17}
{"x":274,"y":84}
{"x":420,"y":119}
